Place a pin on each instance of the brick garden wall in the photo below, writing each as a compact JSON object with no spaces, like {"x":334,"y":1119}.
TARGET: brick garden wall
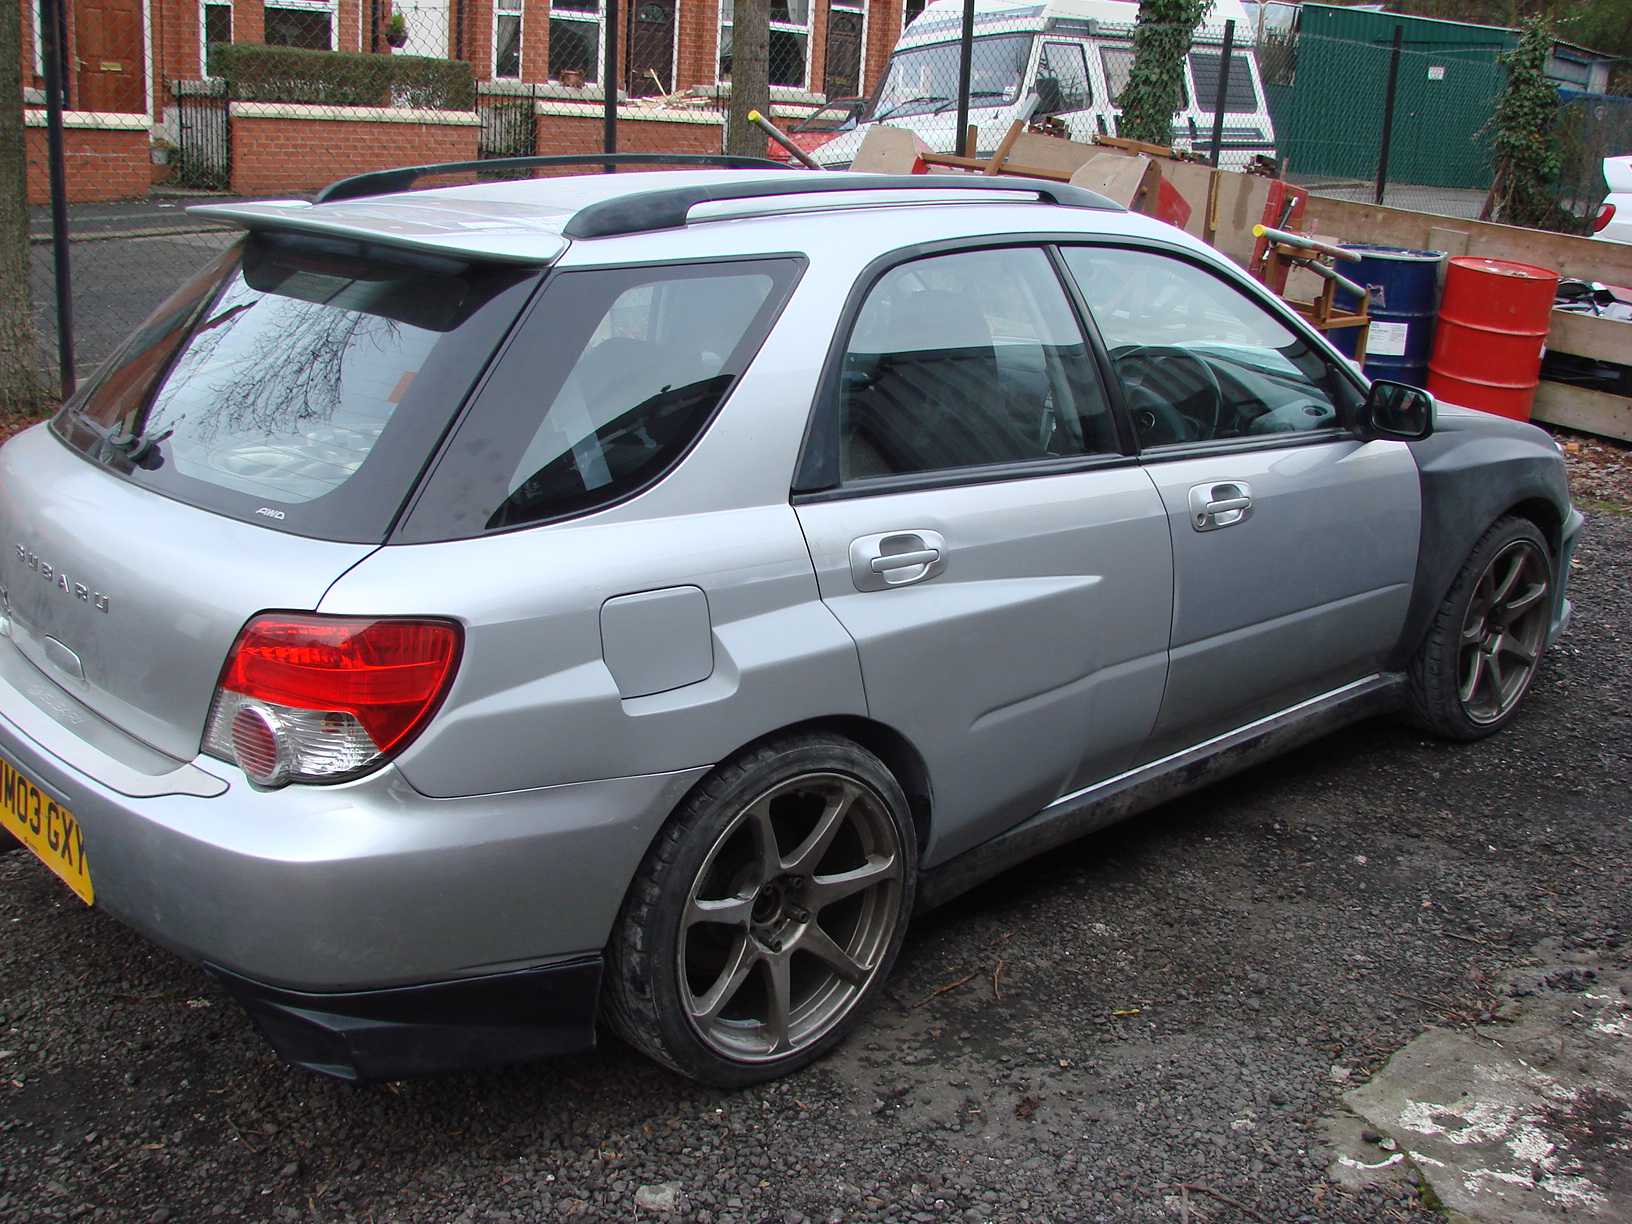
{"x":278,"y":149}
{"x":559,"y":133}
{"x":105,"y":157}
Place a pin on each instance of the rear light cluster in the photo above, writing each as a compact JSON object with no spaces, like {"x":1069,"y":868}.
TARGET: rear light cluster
{"x":325,"y":698}
{"x":1606,"y":214}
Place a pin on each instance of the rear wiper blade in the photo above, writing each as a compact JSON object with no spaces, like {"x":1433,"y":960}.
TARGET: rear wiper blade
{"x":136,"y":446}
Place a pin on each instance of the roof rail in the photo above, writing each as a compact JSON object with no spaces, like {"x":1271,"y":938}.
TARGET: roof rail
{"x":666,"y":207}
{"x":388,"y":182}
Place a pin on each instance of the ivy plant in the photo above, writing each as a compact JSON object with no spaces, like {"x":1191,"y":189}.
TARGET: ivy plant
{"x":1524,"y":137}
{"x":1155,"y":89}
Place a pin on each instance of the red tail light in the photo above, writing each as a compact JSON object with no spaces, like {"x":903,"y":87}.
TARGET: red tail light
{"x":1606,"y":214}
{"x":320,"y":698}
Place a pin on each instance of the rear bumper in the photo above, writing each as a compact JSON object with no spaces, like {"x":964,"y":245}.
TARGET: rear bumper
{"x":364,"y":886}
{"x":429,"y":1029}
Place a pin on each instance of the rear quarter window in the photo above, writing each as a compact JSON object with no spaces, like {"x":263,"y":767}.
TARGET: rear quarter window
{"x":608,"y":382}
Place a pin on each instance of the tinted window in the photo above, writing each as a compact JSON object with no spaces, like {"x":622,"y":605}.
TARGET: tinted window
{"x":1239,"y":97}
{"x":1198,"y":359}
{"x":299,"y":384}
{"x":1118,"y":62}
{"x":968,"y":359}
{"x":1064,"y":64}
{"x":609,"y":381}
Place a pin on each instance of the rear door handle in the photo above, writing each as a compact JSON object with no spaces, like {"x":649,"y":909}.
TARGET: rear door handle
{"x":896,"y":558}
{"x":1223,"y":504}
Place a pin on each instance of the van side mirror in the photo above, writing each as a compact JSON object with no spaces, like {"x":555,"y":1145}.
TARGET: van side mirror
{"x":1396,"y":411}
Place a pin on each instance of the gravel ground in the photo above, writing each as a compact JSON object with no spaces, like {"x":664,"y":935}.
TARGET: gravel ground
{"x":1175,"y":1002}
{"x":1600,"y":471}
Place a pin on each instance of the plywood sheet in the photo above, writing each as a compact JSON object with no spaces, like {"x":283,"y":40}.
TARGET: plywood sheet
{"x":1594,"y":412}
{"x":1583,"y":258}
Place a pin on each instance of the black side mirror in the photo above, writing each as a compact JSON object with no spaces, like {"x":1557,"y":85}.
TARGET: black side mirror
{"x":1396,"y":411}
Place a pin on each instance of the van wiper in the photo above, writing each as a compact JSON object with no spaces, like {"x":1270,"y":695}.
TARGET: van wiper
{"x":931,"y":99}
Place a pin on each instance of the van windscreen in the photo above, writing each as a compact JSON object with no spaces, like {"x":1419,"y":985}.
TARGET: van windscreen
{"x":924,"y":80}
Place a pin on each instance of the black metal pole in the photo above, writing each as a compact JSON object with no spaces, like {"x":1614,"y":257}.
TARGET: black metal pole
{"x":609,"y":83}
{"x":1388,"y":113}
{"x":966,"y":52}
{"x":51,"y":27}
{"x":1223,"y":90}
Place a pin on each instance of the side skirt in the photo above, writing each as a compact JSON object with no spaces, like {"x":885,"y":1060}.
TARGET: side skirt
{"x":1141,"y":789}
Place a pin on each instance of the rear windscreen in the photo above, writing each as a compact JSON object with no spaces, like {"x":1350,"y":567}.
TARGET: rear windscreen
{"x":298,"y":383}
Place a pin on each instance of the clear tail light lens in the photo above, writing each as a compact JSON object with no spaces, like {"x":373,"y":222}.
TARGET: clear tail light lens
{"x":325,"y":698}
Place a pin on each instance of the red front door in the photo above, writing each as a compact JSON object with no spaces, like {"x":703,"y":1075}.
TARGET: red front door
{"x":108,"y":46}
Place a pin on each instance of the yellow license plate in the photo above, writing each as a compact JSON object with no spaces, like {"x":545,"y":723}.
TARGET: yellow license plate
{"x":45,"y":827}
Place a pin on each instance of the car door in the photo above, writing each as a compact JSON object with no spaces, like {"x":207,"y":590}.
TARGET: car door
{"x":1002,"y":565}
{"x":1294,"y":542}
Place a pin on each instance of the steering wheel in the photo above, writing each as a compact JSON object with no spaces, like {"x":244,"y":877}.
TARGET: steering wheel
{"x":1153,"y":388}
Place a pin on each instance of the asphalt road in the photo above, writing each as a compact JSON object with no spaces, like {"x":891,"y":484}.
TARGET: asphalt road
{"x":118,"y":277}
{"x":1175,"y":1002}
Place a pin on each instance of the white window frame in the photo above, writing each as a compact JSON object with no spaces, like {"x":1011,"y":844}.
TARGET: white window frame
{"x":787,"y":27}
{"x":518,"y":11}
{"x":203,"y":43}
{"x":596,"y":18}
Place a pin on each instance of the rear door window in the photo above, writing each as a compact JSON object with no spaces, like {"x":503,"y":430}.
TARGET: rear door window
{"x":299,"y":384}
{"x":968,"y":360}
{"x":610,"y":379}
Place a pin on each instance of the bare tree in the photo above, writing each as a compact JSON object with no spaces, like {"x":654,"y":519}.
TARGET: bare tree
{"x":19,"y":384}
{"x":750,"y":76}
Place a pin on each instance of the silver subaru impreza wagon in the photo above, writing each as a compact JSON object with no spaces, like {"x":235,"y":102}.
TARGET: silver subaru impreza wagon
{"x":460,"y":617}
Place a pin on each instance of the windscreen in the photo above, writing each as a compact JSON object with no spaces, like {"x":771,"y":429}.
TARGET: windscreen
{"x":924,"y":80}
{"x":298,"y":383}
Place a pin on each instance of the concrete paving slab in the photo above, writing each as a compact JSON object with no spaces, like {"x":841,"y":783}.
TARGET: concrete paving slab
{"x":1526,"y":1120}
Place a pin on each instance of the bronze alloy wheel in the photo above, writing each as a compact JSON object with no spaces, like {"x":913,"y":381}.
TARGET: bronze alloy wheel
{"x":790,"y":916}
{"x":1482,"y":647}
{"x":1504,"y":631}
{"x":767,"y":913}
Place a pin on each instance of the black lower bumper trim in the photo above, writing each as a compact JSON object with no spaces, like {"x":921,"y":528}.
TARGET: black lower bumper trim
{"x":430,"y":1029}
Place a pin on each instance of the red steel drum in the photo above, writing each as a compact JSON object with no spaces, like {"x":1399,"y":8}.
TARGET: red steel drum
{"x":1493,"y":321}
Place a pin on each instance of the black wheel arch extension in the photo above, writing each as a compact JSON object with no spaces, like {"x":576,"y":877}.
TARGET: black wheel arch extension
{"x":1464,"y":491}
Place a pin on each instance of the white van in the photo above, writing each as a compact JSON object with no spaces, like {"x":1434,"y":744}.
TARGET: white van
{"x":1075,"y":54}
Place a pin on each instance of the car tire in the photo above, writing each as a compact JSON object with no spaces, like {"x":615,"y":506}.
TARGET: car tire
{"x":1486,"y":639}
{"x":767,"y":914}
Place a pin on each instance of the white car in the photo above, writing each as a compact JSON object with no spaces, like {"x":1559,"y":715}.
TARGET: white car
{"x":1615,"y":221}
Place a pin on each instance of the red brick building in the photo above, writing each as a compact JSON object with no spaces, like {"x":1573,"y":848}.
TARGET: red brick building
{"x":137,"y":83}
{"x":124,"y":54}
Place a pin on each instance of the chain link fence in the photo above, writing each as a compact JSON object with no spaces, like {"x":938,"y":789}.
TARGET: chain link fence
{"x":1350,"y":118}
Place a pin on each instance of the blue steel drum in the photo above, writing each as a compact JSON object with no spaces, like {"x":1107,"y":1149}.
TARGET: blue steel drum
{"x":1404,"y":298}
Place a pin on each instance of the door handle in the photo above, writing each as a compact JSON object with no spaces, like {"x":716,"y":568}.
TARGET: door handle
{"x":1220,"y":505}
{"x":896,"y":558}
{"x":895,"y":561}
